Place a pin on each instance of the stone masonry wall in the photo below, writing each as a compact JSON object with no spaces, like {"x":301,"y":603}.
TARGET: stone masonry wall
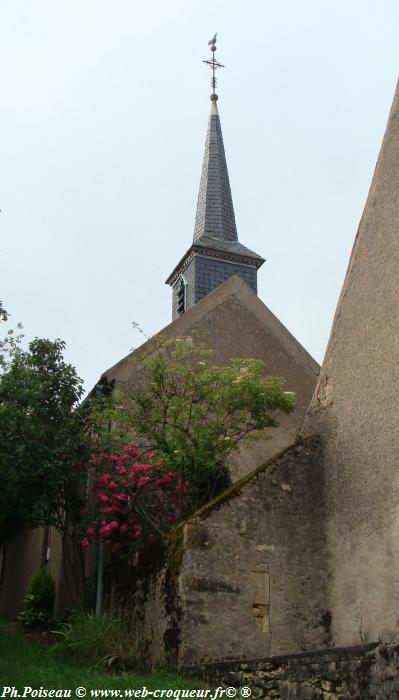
{"x":356,"y":411}
{"x":137,"y":591}
{"x":254,"y":571}
{"x":247,"y":576}
{"x":354,"y":673}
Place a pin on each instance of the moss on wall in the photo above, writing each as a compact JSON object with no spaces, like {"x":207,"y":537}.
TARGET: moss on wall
{"x":236,"y":489}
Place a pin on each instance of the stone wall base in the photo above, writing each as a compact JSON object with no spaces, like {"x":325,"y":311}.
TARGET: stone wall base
{"x":349,"y":673}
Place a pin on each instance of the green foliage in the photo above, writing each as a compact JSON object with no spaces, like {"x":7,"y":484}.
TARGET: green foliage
{"x":28,"y":663}
{"x":3,"y":313}
{"x":43,"y":588}
{"x":192,"y":413}
{"x":42,"y":441}
{"x":10,"y":342}
{"x":39,"y":600}
{"x":99,"y":640}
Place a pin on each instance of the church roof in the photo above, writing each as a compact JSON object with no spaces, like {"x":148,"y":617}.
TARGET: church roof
{"x":232,"y":247}
{"x":215,"y":212}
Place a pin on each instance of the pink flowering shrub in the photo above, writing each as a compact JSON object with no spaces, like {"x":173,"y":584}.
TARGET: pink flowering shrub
{"x":137,"y":499}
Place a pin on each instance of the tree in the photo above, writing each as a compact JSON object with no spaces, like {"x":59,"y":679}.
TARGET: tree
{"x":43,"y":446}
{"x":3,"y":313}
{"x":9,"y":344}
{"x":194,"y":414}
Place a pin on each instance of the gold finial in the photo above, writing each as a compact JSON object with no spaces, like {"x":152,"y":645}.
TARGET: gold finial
{"x":213,"y":64}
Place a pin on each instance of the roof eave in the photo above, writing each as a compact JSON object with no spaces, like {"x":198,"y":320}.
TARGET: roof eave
{"x":212,"y":252}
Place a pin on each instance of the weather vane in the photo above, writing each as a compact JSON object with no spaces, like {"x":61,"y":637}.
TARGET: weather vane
{"x":213,"y":64}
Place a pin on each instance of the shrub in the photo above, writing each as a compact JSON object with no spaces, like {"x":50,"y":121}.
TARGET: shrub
{"x":138,"y":500}
{"x":102,"y":640}
{"x":39,"y":600}
{"x":193,"y":414}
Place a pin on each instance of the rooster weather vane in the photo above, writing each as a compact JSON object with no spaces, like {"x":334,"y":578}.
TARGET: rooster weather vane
{"x":213,"y":64}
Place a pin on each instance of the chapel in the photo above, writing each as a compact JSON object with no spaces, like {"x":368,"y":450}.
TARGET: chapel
{"x":214,"y":299}
{"x":289,"y":579}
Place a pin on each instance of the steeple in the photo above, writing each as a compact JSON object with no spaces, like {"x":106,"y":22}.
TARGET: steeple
{"x":215,"y":213}
{"x":215,"y":254}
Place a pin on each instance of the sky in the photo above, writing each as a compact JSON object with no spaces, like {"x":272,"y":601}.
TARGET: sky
{"x":103,"y":123}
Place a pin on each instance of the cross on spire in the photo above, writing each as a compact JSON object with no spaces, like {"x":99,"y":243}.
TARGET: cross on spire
{"x":213,"y":64}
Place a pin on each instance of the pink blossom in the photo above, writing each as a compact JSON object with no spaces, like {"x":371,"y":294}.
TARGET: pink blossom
{"x":132,"y":451}
{"x":103,"y":480}
{"x":90,"y":532}
{"x":118,"y":497}
{"x":137,"y":531}
{"x":136,"y":468}
{"x":85,"y":542}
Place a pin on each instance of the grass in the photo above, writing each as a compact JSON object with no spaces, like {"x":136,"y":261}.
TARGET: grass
{"x":102,"y":640}
{"x":28,"y":663}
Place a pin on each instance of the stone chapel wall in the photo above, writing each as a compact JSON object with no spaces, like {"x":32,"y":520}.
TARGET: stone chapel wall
{"x":355,"y":410}
{"x":254,"y":572}
{"x":247,"y":576}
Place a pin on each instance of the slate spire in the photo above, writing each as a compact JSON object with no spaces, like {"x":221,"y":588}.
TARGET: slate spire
{"x":215,"y":254}
{"x":215,"y":212}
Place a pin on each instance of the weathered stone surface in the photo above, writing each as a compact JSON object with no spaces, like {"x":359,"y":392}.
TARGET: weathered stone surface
{"x":368,"y":672}
{"x":262,"y":588}
{"x":355,"y":410}
{"x":139,"y":591}
{"x":212,"y":592}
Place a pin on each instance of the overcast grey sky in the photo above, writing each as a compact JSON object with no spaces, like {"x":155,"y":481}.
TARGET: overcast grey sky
{"x":104,"y":114}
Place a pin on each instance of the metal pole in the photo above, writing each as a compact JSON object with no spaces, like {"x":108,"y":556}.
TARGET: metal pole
{"x":100,"y":572}
{"x":100,"y":561}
